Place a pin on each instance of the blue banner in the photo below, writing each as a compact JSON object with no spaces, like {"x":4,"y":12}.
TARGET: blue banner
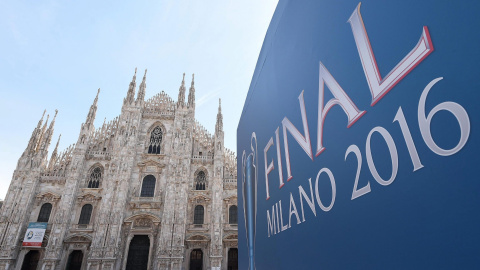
{"x":37,"y":225}
{"x":357,"y":145}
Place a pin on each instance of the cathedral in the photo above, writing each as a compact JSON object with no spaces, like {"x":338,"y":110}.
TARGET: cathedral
{"x":150,"y":189}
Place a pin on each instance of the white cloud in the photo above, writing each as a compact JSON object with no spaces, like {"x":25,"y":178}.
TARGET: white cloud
{"x":207,"y":97}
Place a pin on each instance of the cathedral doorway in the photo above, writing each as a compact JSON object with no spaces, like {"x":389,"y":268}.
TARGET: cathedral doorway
{"x":196,"y":259}
{"x":232,"y":259}
{"x":31,"y":260}
{"x":138,"y":253}
{"x":74,"y":261}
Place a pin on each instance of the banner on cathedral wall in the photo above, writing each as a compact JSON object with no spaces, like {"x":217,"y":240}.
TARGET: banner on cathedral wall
{"x":358,"y":142}
{"x":34,"y":234}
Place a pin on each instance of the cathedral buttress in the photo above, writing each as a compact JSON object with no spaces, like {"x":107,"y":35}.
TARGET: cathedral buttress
{"x":216,"y":247}
{"x":15,"y":212}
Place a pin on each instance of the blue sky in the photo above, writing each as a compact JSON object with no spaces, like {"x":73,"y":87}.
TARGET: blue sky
{"x":56,"y":54}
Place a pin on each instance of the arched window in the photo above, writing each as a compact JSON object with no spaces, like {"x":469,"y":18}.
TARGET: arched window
{"x":148,"y":186}
{"x":232,"y":215}
{"x":45,"y":211}
{"x":200,"y":181}
{"x":95,"y":177}
{"x":155,"y":141}
{"x":85,"y":214}
{"x":198,"y":215}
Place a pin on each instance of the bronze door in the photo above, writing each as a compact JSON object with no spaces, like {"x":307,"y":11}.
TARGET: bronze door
{"x":138,"y":253}
{"x":31,"y":259}
{"x":232,"y":259}
{"x":196,"y":259}
{"x":75,"y":260}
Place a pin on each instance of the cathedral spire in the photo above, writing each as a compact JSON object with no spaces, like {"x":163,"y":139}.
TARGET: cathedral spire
{"x":56,"y":146}
{"x":42,"y":134}
{"x":34,"y":138}
{"x":44,"y":126}
{"x":181,"y":93}
{"x":219,"y":124}
{"x":55,"y":116}
{"x":131,"y":90}
{"x":93,"y":111}
{"x":53,"y":159}
{"x":47,"y":135}
{"x":104,"y":124}
{"x":41,"y":120}
{"x":141,"y":91}
{"x":191,"y":93}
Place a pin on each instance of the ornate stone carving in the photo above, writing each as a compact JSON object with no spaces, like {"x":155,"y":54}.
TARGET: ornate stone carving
{"x":88,"y":198}
{"x":47,"y":197}
{"x":142,"y":222}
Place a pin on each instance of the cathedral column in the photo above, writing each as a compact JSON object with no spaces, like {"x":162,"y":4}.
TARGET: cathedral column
{"x":181,"y":203}
{"x":164,"y":242}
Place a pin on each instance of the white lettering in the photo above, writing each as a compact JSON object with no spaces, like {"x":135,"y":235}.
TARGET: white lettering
{"x":279,"y":159}
{"x":292,"y":203}
{"x":278,"y":222}
{"x":340,"y":98}
{"x":271,"y":222}
{"x":334,"y":189}
{"x":284,"y":227}
{"x":378,"y":86}
{"x":310,"y":201}
{"x":304,"y":142}
{"x":268,"y":168}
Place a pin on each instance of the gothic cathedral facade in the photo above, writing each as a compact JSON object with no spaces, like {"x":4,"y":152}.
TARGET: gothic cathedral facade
{"x":151,"y":189}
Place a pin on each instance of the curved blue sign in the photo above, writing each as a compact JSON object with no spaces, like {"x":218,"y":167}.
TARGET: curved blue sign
{"x":359,"y":136}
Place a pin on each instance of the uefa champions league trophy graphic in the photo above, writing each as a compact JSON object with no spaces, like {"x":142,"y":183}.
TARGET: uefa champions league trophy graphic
{"x":249,"y":173}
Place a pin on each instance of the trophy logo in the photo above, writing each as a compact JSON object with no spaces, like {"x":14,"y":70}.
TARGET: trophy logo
{"x":30,"y":235}
{"x":249,"y":175}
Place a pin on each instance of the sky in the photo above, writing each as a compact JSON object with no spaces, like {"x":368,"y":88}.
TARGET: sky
{"x":56,"y":54}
